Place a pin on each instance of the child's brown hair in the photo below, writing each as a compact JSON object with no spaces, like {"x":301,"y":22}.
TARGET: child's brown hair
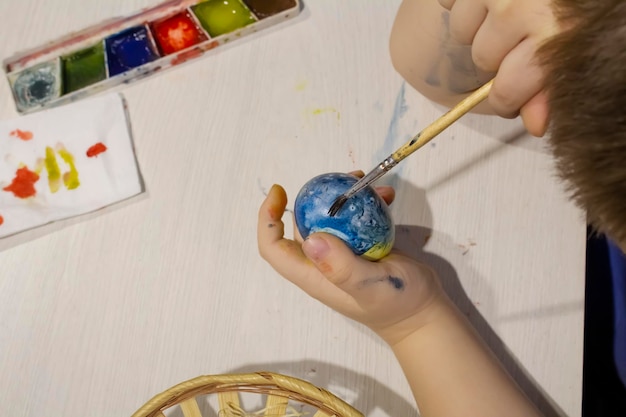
{"x":586,"y":85}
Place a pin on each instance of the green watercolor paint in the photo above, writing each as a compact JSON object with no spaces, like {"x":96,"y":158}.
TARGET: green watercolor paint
{"x":52,"y":167}
{"x":218,"y":17}
{"x":83,"y":68}
{"x":70,"y":178}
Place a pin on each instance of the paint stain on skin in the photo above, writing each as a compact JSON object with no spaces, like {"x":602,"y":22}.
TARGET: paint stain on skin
{"x":395,"y":282}
{"x":317,"y":112}
{"x":70,"y":178}
{"x":22,"y":134}
{"x":23,"y":185}
{"x":54,"y":173}
{"x":96,"y":150}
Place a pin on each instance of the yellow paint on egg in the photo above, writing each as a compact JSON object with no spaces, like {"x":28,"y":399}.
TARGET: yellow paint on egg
{"x":378,"y":251}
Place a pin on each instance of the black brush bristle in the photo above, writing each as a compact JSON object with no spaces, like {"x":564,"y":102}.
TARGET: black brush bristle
{"x":337,"y":205}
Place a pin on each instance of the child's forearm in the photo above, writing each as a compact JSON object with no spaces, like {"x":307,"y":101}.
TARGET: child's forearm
{"x":452,"y":373}
{"x":423,"y":52}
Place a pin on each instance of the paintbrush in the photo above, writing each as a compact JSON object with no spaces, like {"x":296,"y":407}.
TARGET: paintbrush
{"x":419,"y":140}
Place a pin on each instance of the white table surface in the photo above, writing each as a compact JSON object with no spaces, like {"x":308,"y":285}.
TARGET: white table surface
{"x":98,"y":313}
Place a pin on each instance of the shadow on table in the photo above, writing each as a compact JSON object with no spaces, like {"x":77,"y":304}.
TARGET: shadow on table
{"x":411,"y":239}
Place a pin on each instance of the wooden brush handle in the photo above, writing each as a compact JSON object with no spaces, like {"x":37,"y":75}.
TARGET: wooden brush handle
{"x":439,"y":125}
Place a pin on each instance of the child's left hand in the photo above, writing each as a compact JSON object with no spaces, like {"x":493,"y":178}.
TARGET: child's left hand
{"x":392,"y":296}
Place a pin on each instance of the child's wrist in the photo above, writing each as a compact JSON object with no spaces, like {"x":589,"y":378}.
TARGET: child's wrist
{"x":438,"y":307}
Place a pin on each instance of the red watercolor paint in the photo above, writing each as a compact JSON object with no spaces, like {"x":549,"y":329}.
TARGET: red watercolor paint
{"x":23,"y":185}
{"x":1,"y":220}
{"x":96,"y":149}
{"x":22,"y":134}
{"x":177,"y":33}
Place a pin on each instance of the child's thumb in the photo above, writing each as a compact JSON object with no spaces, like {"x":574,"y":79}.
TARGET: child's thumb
{"x":331,"y":256}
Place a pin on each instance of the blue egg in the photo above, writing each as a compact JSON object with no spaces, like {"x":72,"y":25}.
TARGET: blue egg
{"x":364,"y":222}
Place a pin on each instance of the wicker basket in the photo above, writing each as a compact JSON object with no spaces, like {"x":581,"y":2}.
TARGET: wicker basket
{"x":282,"y":393}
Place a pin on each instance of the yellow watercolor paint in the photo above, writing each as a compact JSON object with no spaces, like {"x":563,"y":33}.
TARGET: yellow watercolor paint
{"x":54,"y":173}
{"x":378,"y":251}
{"x":317,"y":112}
{"x":301,"y":85}
{"x":70,"y":178}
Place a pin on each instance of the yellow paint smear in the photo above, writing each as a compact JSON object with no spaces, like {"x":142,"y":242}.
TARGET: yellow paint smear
{"x":317,"y":112}
{"x":70,"y":178}
{"x":54,"y":173}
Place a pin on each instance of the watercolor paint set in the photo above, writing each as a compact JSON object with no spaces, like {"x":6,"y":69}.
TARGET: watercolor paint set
{"x":126,"y":49}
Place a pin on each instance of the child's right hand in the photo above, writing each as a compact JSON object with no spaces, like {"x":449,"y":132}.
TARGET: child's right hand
{"x":447,"y":48}
{"x":504,"y":36}
{"x":394,"y":296}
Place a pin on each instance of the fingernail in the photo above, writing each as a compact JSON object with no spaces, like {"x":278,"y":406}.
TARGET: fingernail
{"x":315,"y":248}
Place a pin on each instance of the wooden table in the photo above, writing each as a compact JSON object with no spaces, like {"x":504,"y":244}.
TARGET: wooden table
{"x":98,"y":313}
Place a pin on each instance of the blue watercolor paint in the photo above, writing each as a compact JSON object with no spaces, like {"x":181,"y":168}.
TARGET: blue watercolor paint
{"x":397,"y":283}
{"x":394,"y":138}
{"x":129,"y":49}
{"x":364,"y":223}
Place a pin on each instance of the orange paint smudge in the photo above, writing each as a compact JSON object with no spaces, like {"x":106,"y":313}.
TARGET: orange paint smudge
{"x":1,"y":220}
{"x":22,"y":134}
{"x":23,"y":185}
{"x":96,"y":149}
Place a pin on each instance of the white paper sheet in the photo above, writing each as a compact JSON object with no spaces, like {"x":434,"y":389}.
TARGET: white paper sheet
{"x":106,"y":178}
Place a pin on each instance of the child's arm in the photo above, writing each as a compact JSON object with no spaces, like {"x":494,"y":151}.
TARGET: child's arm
{"x":446,"y":52}
{"x":450,"y":370}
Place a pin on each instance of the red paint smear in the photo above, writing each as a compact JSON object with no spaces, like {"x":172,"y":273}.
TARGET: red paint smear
{"x":96,"y":149}
{"x":22,"y":134}
{"x":176,"y":33}
{"x":23,"y":185}
{"x":1,"y":220}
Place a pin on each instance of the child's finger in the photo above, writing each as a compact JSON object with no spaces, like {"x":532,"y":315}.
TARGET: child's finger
{"x":336,"y":261}
{"x":488,"y":51}
{"x":466,"y":18}
{"x":387,"y":193}
{"x":519,"y":79}
{"x":271,"y":229}
{"x":536,"y":114}
{"x":287,"y":258}
{"x":447,"y":4}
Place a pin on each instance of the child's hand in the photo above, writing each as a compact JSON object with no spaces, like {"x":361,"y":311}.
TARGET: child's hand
{"x":504,"y":36}
{"x":392,"y":296}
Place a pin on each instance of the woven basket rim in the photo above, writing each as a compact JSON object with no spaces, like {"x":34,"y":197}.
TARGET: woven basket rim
{"x":262,"y":382}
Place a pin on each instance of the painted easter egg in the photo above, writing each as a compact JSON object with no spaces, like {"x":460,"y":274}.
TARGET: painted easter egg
{"x":364,"y":223}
